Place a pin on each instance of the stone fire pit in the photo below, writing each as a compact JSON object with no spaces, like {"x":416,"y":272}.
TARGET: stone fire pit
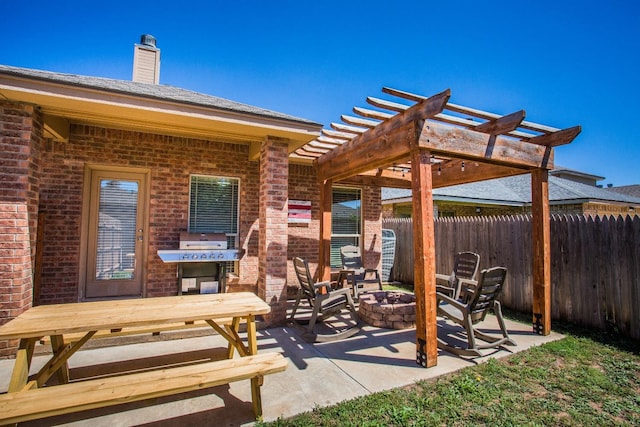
{"x":388,"y":309}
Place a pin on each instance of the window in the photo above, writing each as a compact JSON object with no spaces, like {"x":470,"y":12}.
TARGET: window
{"x":346,"y":221}
{"x":214,"y":208}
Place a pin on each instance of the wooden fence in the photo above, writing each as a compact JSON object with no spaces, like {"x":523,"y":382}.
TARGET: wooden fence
{"x":595,"y":263}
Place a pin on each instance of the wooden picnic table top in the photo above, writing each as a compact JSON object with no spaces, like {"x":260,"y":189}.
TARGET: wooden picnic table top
{"x":60,"y":319}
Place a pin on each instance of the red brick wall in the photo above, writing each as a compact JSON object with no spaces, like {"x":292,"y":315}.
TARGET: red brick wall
{"x":272,"y":277}
{"x":372,"y":214}
{"x":20,"y":130}
{"x":170,"y":160}
{"x":303,"y":237}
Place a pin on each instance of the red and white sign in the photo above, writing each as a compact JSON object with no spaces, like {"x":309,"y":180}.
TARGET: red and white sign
{"x":299,"y":211}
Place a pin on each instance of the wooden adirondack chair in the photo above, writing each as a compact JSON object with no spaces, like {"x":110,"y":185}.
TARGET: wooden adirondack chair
{"x":324,"y":303}
{"x":481,"y":300}
{"x":355,"y":273}
{"x":465,"y":268}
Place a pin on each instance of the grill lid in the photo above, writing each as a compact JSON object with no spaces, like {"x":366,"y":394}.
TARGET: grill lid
{"x":202,"y":240}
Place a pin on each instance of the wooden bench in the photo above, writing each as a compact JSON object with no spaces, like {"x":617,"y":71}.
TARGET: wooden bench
{"x":139,"y":330}
{"x":35,"y":403}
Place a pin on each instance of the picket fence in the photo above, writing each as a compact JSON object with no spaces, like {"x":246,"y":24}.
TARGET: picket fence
{"x":595,"y":263}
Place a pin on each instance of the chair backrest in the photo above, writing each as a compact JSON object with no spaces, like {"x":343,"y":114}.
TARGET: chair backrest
{"x":465,"y":265}
{"x":487,"y":292}
{"x":351,"y":258}
{"x":304,"y":277}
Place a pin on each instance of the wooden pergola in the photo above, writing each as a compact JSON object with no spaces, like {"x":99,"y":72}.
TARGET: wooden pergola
{"x":415,"y":144}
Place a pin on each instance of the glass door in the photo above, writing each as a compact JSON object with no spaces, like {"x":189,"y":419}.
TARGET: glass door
{"x":116,"y":235}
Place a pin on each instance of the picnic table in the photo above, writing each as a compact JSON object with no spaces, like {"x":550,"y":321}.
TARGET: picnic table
{"x":223,"y":312}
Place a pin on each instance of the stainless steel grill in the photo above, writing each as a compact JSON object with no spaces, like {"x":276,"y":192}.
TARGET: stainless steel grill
{"x":201,"y":247}
{"x":201,"y":260}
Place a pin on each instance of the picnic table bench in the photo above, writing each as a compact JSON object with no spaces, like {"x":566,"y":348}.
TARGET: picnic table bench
{"x":70,"y":326}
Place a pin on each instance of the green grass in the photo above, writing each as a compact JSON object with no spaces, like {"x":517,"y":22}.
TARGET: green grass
{"x":586,"y":379}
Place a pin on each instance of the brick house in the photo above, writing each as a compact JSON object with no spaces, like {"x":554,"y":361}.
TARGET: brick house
{"x":74,"y":145}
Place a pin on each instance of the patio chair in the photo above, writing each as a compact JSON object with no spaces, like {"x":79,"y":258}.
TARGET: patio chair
{"x":465,"y":268}
{"x":354,"y":272}
{"x":480,"y":301}
{"x":324,"y":303}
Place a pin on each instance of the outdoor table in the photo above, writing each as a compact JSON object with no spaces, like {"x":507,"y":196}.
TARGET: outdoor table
{"x":89,"y":317}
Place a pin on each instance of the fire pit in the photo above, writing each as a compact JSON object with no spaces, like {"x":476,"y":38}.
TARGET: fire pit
{"x":388,"y":309}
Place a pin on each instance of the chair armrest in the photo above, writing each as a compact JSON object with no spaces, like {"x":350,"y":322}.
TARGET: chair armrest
{"x":442,"y":297}
{"x":446,"y":290}
{"x":466,"y":288}
{"x":443,"y":276}
{"x":341,"y":291}
{"x":322,"y":288}
{"x":338,"y":294}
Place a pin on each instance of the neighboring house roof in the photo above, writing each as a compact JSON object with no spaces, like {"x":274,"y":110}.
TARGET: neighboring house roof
{"x":629,"y":190}
{"x":575,"y":174}
{"x":154,"y":91}
{"x":515,"y":191}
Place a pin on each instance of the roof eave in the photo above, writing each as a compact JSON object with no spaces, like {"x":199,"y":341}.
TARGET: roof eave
{"x":81,"y":104}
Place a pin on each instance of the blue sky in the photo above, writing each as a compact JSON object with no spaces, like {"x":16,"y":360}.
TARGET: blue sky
{"x":566,"y":63}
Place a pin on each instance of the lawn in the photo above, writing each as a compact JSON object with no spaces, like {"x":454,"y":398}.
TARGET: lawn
{"x":586,"y":379}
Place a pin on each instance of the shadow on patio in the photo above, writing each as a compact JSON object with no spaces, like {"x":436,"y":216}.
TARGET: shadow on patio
{"x":318,"y":374}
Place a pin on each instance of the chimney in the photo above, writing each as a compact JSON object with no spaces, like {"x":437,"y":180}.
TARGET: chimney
{"x":146,"y":60}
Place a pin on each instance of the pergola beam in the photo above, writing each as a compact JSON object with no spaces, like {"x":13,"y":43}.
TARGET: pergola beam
{"x":339,"y":135}
{"x":372,"y":114}
{"x":443,"y":174}
{"x":389,"y":141}
{"x":482,"y":147}
{"x":560,"y":137}
{"x":503,"y":124}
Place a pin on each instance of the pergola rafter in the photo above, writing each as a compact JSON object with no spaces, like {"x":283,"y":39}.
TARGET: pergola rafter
{"x":421,"y":147}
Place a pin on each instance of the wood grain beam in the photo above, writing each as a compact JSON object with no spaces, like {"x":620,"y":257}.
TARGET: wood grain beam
{"x":541,"y":239}
{"x":443,"y":175}
{"x":324,"y":251}
{"x":424,"y":260}
{"x":503,"y":124}
{"x":451,"y":173}
{"x":387,"y":105}
{"x":346,"y":128}
{"x":388,"y":142}
{"x":367,"y":154}
{"x":469,"y":111}
{"x":560,"y":137}
{"x":329,"y":140}
{"x":471,"y":145}
{"x":339,"y":135}
{"x":372,"y":114}
{"x":357,"y":121}
{"x":378,"y":181}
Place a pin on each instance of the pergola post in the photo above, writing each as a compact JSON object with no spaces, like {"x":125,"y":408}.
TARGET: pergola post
{"x":326,"y":201}
{"x":424,"y":258}
{"x":541,"y":235}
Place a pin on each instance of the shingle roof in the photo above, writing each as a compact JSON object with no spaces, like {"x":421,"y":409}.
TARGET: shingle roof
{"x":517,"y":190}
{"x":155,"y":91}
{"x":629,"y":190}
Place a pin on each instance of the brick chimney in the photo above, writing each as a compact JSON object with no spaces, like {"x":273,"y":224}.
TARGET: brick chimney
{"x":146,"y":60}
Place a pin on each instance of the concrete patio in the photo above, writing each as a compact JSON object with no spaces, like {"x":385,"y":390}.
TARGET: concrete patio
{"x":323,"y":374}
